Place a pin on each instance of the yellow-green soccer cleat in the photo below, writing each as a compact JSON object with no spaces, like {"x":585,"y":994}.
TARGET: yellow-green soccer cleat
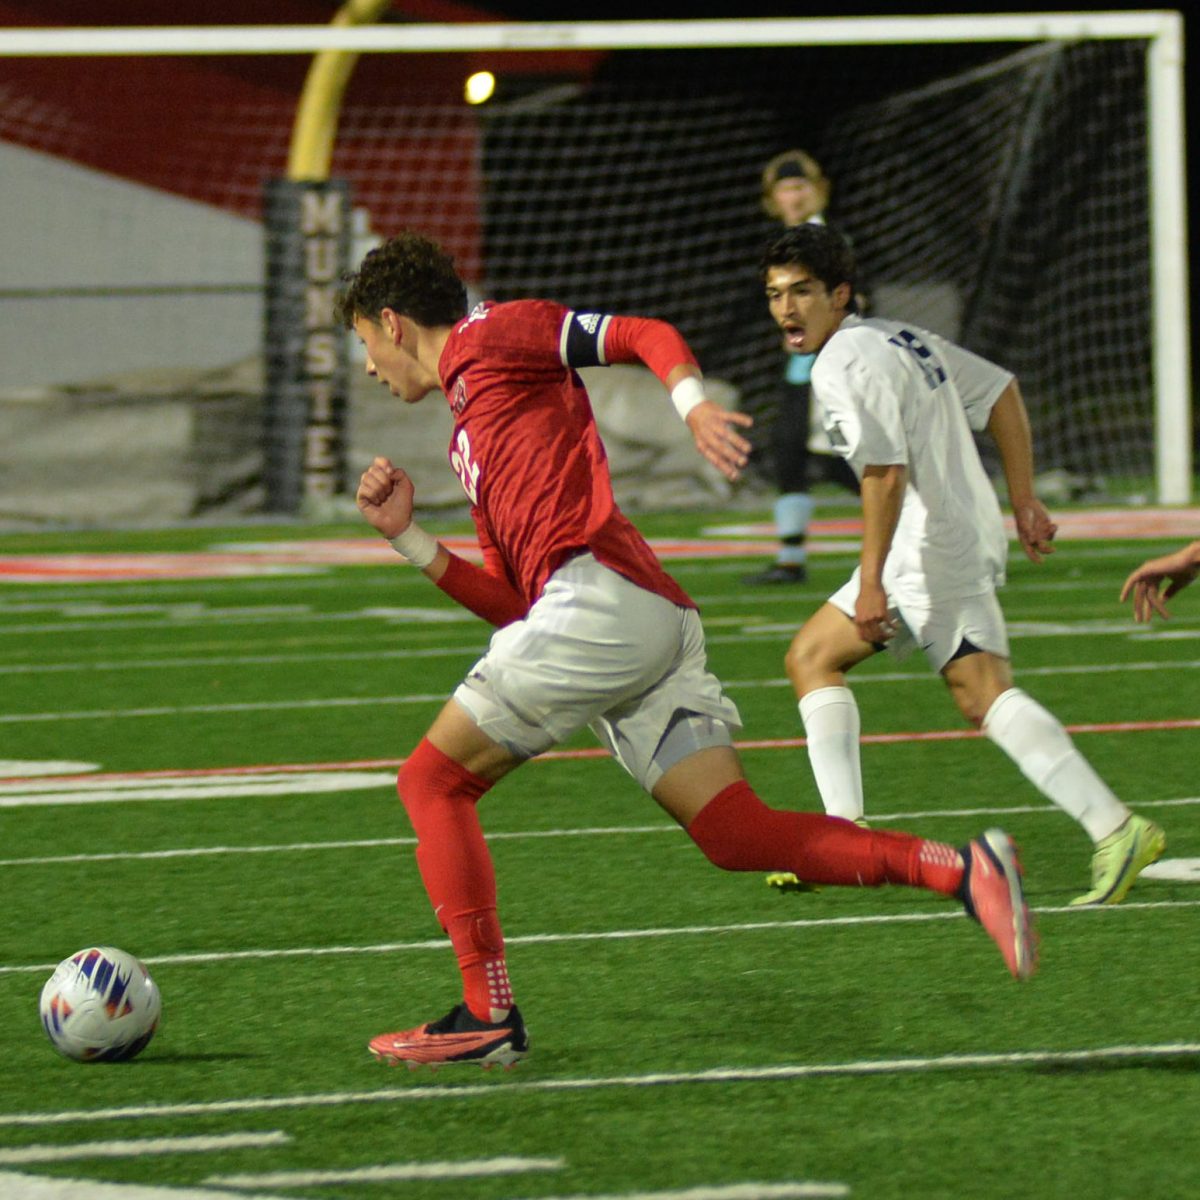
{"x":1120,"y":858}
{"x":785,"y":881}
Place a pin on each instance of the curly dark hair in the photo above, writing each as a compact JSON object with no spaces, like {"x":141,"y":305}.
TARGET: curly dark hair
{"x":823,"y":250}
{"x":408,"y":273}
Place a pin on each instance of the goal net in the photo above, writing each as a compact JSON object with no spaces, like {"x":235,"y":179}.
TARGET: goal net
{"x":1008,"y":205}
{"x":1009,"y":208}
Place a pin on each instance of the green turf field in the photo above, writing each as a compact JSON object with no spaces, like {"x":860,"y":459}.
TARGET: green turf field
{"x":694,"y":1034}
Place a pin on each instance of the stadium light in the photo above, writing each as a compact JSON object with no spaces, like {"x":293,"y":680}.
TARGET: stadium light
{"x":480,"y":87}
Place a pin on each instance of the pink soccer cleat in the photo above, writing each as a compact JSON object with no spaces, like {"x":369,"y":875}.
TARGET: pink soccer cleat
{"x":993,"y":894}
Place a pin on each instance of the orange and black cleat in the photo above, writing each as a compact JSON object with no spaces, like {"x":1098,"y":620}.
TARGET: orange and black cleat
{"x":458,"y":1037}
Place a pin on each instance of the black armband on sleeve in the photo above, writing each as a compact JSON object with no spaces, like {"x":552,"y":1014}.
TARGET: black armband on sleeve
{"x":581,"y":343}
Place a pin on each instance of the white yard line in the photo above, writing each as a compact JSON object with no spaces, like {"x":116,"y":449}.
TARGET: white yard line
{"x":389,"y":1173}
{"x":203,"y":618}
{"x":729,"y":1191}
{"x":616,"y":935}
{"x":247,"y":660}
{"x":363,"y":844}
{"x":112,"y":714}
{"x":518,"y":835}
{"x":15,"y":1186}
{"x":140,"y":1147}
{"x":474,"y":649}
{"x":65,"y":598}
{"x":420,"y":1091}
{"x":791,"y":1190}
{"x":101,"y":791}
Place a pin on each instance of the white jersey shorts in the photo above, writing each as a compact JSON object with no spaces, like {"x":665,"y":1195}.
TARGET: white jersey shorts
{"x":597,"y":650}
{"x":938,"y":627}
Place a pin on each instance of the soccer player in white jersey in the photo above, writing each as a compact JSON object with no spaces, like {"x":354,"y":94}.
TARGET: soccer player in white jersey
{"x":900,"y":404}
{"x":591,"y":630}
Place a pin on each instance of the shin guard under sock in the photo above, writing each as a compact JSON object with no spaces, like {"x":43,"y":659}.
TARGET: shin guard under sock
{"x":832,"y":728}
{"x":1037,"y":742}
{"x":440,"y":797}
{"x":738,"y":832}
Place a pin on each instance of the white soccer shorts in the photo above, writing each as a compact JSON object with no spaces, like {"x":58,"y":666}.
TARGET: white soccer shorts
{"x":596,"y":650}
{"x":938,"y":627}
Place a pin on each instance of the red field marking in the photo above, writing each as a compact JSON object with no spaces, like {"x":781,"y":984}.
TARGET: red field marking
{"x":1129,"y":523}
{"x":91,"y":568}
{"x":1075,"y":525}
{"x":369,"y":764}
{"x":720,"y":541}
{"x":284,"y":558}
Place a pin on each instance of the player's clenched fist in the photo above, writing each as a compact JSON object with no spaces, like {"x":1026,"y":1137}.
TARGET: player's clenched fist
{"x":385,"y":497}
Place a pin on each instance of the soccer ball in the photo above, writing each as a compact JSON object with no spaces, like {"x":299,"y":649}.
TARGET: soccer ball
{"x":100,"y":1005}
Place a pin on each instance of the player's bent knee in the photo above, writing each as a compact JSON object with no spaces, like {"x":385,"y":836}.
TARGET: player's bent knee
{"x":975,"y":701}
{"x":417,"y":773}
{"x":728,"y":829}
{"x":429,"y":777}
{"x":976,"y":688}
{"x":807,"y":662}
{"x":722,"y":852}
{"x":725,"y":858}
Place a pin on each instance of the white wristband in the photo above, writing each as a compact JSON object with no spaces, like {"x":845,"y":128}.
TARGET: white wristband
{"x":686,"y":394}
{"x":419,"y":547}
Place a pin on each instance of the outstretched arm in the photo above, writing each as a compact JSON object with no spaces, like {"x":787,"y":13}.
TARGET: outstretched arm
{"x":385,"y":498}
{"x":661,"y":347}
{"x":1009,"y":428}
{"x":1145,"y":583}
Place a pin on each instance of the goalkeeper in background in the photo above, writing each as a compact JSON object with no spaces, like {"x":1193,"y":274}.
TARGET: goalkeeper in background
{"x":795,"y":191}
{"x":900,"y":405}
{"x":591,"y":630}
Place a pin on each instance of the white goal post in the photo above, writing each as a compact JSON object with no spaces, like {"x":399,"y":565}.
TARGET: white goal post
{"x":1160,"y":32}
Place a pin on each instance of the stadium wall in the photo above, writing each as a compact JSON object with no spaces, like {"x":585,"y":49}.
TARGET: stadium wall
{"x":84,"y":298}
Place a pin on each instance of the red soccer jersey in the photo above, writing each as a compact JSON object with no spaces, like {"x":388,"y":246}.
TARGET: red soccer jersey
{"x":527,"y":451}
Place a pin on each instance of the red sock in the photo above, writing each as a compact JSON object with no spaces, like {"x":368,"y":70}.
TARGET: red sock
{"x":440,"y":796}
{"x":738,"y":832}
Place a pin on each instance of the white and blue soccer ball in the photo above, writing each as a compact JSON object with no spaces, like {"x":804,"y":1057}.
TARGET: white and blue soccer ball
{"x":100,"y":1005}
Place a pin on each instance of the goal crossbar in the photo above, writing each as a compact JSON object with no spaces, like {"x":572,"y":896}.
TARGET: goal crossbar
{"x":585,"y":35}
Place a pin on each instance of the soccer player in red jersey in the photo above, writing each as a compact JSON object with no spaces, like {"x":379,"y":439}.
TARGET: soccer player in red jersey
{"x":591,"y":629}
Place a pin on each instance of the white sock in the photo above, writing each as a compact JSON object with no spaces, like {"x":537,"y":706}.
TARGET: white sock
{"x":1036,"y":741}
{"x":832,"y":726}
